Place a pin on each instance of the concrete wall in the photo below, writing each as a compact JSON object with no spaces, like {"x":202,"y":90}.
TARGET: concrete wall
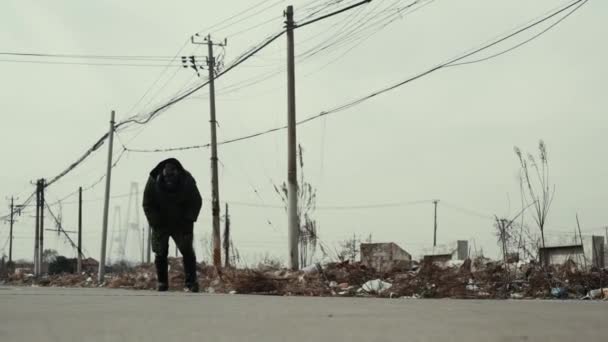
{"x":597,"y":251}
{"x":559,"y":255}
{"x":384,"y":257}
{"x":462,"y":249}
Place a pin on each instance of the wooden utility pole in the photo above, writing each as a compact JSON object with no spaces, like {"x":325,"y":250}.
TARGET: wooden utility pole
{"x":79,"y":263}
{"x":292,"y":171}
{"x":227,"y":238}
{"x":106,"y":203}
{"x":435,"y":225}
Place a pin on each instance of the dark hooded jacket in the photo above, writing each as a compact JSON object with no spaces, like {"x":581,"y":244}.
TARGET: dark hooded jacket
{"x":171,"y":210}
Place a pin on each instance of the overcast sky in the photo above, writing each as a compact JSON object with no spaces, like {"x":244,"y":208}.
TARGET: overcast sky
{"x":446,"y":136}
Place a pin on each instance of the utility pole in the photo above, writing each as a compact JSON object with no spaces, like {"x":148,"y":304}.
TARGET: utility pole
{"x":149,"y":244}
{"x":10,"y":234}
{"x":106,"y":204}
{"x":435,"y":230}
{"x":227,"y":239}
{"x":292,"y":171}
{"x":41,"y":234}
{"x":37,"y":231}
{"x":79,"y":264}
{"x":143,"y":243}
{"x":215,"y":192}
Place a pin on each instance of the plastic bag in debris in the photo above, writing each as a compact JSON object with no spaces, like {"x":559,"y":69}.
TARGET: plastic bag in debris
{"x":454,"y":263}
{"x":559,"y":292}
{"x":594,"y":294}
{"x":375,"y":286}
{"x":471,"y":286}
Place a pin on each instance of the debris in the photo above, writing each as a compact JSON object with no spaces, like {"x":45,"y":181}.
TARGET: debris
{"x":232,"y":292}
{"x":472,"y":287}
{"x":333,"y":284}
{"x":311,"y":268}
{"x":595,"y":294}
{"x":559,"y":292}
{"x":375,"y":286}
{"x":517,"y":296}
{"x":343,"y":286}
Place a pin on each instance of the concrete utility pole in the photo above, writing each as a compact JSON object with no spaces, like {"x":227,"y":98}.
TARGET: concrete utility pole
{"x":79,"y":264}
{"x":149,"y":244}
{"x":10,"y":234}
{"x":41,"y":234}
{"x":215,"y":191}
{"x":227,"y":238}
{"x":435,"y":230}
{"x":37,"y":231}
{"x":106,"y":203}
{"x":292,"y":171}
{"x":143,"y":243}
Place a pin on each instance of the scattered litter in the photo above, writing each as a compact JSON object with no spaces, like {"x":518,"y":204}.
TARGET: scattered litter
{"x":476,"y":278}
{"x":375,"y":286}
{"x":517,"y":296}
{"x":559,"y":292}
{"x":595,"y":294}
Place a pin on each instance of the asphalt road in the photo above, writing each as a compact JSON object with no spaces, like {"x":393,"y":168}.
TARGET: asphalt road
{"x":53,"y":314}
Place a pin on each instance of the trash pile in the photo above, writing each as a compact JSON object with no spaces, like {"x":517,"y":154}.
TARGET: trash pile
{"x":469,"y":279}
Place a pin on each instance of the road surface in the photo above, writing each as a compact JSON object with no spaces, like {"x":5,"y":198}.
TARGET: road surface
{"x":53,"y":314}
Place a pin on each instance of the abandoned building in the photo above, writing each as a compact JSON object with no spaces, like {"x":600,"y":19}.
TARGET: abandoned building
{"x":450,"y":252}
{"x":590,"y":253}
{"x":384,"y":257}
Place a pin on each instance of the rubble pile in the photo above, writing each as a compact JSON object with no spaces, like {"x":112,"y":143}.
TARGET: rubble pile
{"x":479,"y":278}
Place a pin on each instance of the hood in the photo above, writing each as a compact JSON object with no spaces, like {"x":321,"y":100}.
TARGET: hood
{"x":159,"y":168}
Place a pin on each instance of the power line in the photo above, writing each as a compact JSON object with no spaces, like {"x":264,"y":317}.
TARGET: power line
{"x":525,"y":41}
{"x":392,"y":87}
{"x":88,"y":63}
{"x":75,"y":56}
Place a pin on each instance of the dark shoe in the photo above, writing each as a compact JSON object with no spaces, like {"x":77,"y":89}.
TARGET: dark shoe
{"x":192,"y":287}
{"x":162,"y":287}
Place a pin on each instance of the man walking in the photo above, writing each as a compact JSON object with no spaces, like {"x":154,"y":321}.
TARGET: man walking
{"x":172,"y":203}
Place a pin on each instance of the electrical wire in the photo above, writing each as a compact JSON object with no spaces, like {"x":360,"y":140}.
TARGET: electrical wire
{"x":386,"y":89}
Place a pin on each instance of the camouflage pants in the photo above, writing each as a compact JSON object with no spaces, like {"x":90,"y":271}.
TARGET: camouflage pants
{"x":160,"y":246}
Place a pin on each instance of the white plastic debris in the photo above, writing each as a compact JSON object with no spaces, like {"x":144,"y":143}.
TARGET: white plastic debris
{"x":333,"y":284}
{"x":375,"y":286}
{"x":517,"y":296}
{"x":472,"y":287}
{"x":595,"y":294}
{"x":232,"y":292}
{"x":454,"y":263}
{"x":89,"y":279}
